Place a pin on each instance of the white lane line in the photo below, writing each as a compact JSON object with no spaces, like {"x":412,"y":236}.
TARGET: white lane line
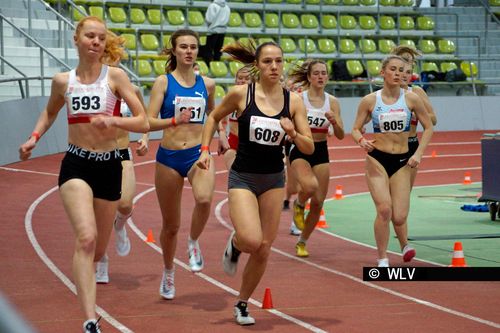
{"x":29,"y":171}
{"x":213,"y":281}
{"x":430,"y":144}
{"x":362,"y":174}
{"x":57,"y":272}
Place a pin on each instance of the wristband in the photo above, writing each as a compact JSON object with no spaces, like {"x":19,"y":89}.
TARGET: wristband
{"x":360,"y":139}
{"x":173,"y":121}
{"x":204,"y":148}
{"x":35,"y":135}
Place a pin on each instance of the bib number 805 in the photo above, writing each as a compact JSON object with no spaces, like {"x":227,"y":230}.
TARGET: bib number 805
{"x":393,"y":125}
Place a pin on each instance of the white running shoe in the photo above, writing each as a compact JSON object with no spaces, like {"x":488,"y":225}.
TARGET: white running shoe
{"x":122,"y":242}
{"x":230,"y":257}
{"x":384,"y":262}
{"x":195,"y":257}
{"x":91,"y":326}
{"x":294,"y":230}
{"x":167,"y":288}
{"x":101,"y":273}
{"x":408,"y":253}
{"x":241,"y":314}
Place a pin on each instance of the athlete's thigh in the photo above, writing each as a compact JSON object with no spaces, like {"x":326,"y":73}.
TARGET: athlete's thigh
{"x":270,"y":212}
{"x":244,"y":212}
{"x":169,"y":186}
{"x":302,"y":171}
{"x":378,"y":181}
{"x":202,"y":181}
{"x":400,"y":185}
{"x":77,"y":198}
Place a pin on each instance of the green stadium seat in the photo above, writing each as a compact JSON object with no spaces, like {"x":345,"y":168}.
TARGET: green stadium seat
{"x":386,"y":45}
{"x":347,"y":22}
{"x":252,"y":20}
{"x":367,"y":46}
{"x":408,"y":42}
{"x":218,"y":68}
{"x":309,"y":21}
{"x":407,"y":3}
{"x":406,"y":23}
{"x":350,"y":2}
{"x":331,"y":2}
{"x":307,"y":45}
{"x":137,"y":16}
{"x":219,"y":92}
{"x":271,"y":20}
{"x":287,"y":45}
{"x":329,"y":21}
{"x":326,"y":45}
{"x":195,"y":18}
{"x":313,"y":2}
{"x":290,"y":21}
{"x":117,"y":15}
{"x":263,"y":40}
{"x":142,"y":67}
{"x":130,"y":41}
{"x":373,"y":67}
{"x":347,"y":46}
{"x":166,"y":41}
{"x":295,"y":2}
{"x":354,"y":67}
{"x":234,"y":20}
{"x":427,"y":46}
{"x":256,"y":1}
{"x":447,"y":66}
{"x":228,"y":40}
{"x":367,"y":22}
{"x":149,"y":42}
{"x":203,"y":40}
{"x":387,"y":2}
{"x":274,"y":1}
{"x":154,"y":16}
{"x":425,"y":23}
{"x":77,"y":16}
{"x":446,"y":46}
{"x":234,"y":66}
{"x":203,"y":67}
{"x":387,"y":23}
{"x":175,"y":17}
{"x":429,"y":66}
{"x":244,"y":40}
{"x":97,"y":11}
{"x":159,"y":67}
{"x":368,"y":2}
{"x":469,"y":68}
{"x":494,"y":3}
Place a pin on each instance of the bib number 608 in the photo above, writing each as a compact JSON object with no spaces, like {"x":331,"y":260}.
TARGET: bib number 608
{"x":266,"y":135}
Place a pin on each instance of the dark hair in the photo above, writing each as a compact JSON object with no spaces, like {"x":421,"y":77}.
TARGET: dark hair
{"x":300,"y":73}
{"x":390,"y":57}
{"x":171,"y":63}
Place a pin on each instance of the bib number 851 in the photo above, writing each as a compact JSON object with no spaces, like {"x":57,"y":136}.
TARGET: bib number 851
{"x":266,"y":135}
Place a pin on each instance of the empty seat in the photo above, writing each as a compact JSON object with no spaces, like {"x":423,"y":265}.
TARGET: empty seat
{"x":408,"y":42}
{"x":406,"y":23}
{"x":347,"y":46}
{"x":234,"y":20}
{"x":245,"y":40}
{"x":469,"y":68}
{"x":386,"y":45}
{"x":252,"y":20}
{"x":307,"y":45}
{"x":494,"y":3}
{"x":219,"y":92}
{"x":425,"y":23}
{"x":218,"y":68}
{"x":77,"y":16}
{"x":367,"y":45}
{"x":137,"y":16}
{"x":263,"y":40}
{"x":288,"y":45}
{"x":354,"y":67}
{"x":405,"y":3}
{"x":387,"y":23}
{"x":154,"y":16}
{"x":97,"y":11}
{"x":195,"y":18}
{"x":309,"y":21}
{"x":331,"y":2}
{"x":203,"y":67}
{"x":130,"y":41}
{"x":446,"y":46}
{"x":117,"y":15}
{"x":290,"y":20}
{"x":271,"y":20}
{"x":166,"y":41}
{"x":329,"y":21}
{"x":368,"y":2}
{"x":350,"y":2}
{"x":159,"y":67}
{"x":427,"y":46}
{"x":326,"y":45}
{"x":347,"y":22}
{"x":447,"y":66}
{"x":294,"y":1}
{"x":234,"y":66}
{"x":367,"y":22}
{"x":373,"y":67}
{"x":387,"y":2}
{"x":429,"y":66}
{"x":313,"y":2}
{"x":175,"y":17}
{"x":142,"y":67}
{"x":228,"y":40}
{"x":149,"y":42}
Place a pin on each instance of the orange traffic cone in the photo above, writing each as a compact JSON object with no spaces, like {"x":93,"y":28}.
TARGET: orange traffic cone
{"x":322,"y":220}
{"x":149,"y":238}
{"x":458,"y":259}
{"x":467,"y":179}
{"x":338,"y":193}
{"x":434,"y":154}
{"x":267,"y":303}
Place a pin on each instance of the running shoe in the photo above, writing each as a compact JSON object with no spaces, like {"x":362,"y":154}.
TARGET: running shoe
{"x":122,"y":242}
{"x":301,"y":249}
{"x":298,"y":215}
{"x":92,"y":326}
{"x":101,"y":273}
{"x":241,"y":314}
{"x":167,"y":288}
{"x":286,"y":204}
{"x":230,"y":257}
{"x":195,"y":257}
{"x":384,"y":262}
{"x":408,"y":253}
{"x":294,"y":230}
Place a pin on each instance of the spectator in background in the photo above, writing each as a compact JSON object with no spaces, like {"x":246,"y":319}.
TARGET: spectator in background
{"x":217,"y":17}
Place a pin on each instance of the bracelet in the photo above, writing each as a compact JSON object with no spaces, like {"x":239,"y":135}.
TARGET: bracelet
{"x":173,"y":121}
{"x":205,"y":148}
{"x":361,"y":139}
{"x":35,"y":135}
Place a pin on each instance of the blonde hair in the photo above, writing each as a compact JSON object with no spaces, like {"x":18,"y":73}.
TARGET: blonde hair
{"x":402,"y":49}
{"x":171,"y":63}
{"x":390,"y":57}
{"x":300,"y":73}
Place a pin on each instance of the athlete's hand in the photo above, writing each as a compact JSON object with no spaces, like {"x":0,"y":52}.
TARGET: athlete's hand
{"x":367,"y":145}
{"x":26,"y":148}
{"x":330,"y":116}
{"x":288,"y":126}
{"x":223,"y":145}
{"x":414,"y":161}
{"x":102,"y":122}
{"x":204,"y":160}
{"x":142,"y":148}
{"x":184,"y":116}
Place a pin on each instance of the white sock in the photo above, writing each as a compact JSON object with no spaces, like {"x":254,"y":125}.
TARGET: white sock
{"x":302,"y":240}
{"x":121,"y":220}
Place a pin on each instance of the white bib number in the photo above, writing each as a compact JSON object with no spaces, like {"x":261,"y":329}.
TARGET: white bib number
{"x":392,"y":122}
{"x":91,"y":102}
{"x":124,"y":110}
{"x":266,"y":131}
{"x":317,"y":119}
{"x":195,"y":104}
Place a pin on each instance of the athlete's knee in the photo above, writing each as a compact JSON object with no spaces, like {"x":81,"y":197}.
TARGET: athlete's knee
{"x":86,"y":242}
{"x":399,"y":218}
{"x":169,"y":229}
{"x":125,"y":207}
{"x":249,"y":243}
{"x":384,"y":211}
{"x":309,"y":187}
{"x":204,"y":200}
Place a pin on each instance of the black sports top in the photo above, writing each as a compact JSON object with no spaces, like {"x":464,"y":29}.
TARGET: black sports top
{"x":261,"y":138}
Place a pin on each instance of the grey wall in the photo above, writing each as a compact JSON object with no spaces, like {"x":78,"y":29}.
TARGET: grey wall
{"x":461,"y":113}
